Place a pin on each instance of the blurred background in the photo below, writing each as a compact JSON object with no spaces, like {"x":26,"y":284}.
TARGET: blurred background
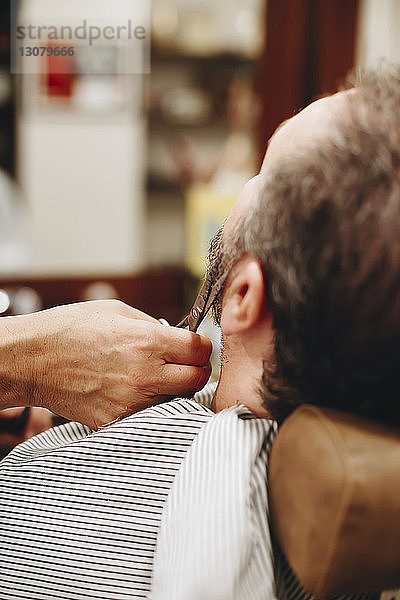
{"x":111,"y":185}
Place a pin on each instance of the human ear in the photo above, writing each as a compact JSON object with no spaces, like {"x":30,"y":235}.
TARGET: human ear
{"x":243,"y":303}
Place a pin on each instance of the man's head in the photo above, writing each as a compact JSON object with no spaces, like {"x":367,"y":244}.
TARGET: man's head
{"x":313,"y":254}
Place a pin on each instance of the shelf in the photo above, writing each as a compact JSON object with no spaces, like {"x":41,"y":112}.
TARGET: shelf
{"x":162,"y":184}
{"x":227,"y":58}
{"x":157,"y":123}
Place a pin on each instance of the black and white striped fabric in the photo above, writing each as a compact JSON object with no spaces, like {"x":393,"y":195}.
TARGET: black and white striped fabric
{"x":214,"y":540}
{"x":80,"y":510}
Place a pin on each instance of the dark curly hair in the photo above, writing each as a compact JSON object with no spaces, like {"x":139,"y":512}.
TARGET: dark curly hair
{"x":326,"y":230}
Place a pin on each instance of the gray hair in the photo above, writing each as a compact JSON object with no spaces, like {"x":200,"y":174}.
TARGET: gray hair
{"x":326,"y":230}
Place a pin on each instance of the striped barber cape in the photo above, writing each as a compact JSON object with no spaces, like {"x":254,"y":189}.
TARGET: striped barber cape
{"x":214,"y":541}
{"x":80,"y":510}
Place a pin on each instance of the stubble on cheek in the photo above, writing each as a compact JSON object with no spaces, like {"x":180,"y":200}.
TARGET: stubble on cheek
{"x":214,"y":264}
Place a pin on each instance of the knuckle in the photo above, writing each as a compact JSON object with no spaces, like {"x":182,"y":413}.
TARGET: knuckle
{"x":195,"y":345}
{"x":202,"y":348}
{"x":208,"y":347}
{"x":118,"y":305}
{"x":198,"y":378}
{"x":144,"y":337}
{"x":133,"y":379}
{"x":149,"y":337}
{"x":144,"y":381}
{"x":110,"y":305}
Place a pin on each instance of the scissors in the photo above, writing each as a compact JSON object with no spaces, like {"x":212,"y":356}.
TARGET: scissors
{"x":204,"y":300}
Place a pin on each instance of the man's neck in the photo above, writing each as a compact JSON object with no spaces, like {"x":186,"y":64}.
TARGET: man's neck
{"x":239,"y":382}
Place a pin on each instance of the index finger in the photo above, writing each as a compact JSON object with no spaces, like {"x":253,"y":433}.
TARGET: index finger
{"x":184,"y":347}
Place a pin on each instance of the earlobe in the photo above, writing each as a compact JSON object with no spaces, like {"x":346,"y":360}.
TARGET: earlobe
{"x":244,"y":299}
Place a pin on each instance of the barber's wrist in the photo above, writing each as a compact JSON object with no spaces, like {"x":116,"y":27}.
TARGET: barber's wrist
{"x":18,"y":351}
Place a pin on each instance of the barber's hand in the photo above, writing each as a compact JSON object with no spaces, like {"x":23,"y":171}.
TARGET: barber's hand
{"x":97,"y":361}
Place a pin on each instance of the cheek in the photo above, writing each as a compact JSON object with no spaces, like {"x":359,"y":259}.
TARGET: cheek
{"x":238,"y":212}
{"x":243,"y":204}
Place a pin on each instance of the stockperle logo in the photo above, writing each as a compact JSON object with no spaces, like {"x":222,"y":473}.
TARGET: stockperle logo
{"x":76,"y":36}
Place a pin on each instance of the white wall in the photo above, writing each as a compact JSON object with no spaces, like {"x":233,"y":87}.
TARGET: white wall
{"x":82,"y":169}
{"x":83,"y":182}
{"x":378,"y":34}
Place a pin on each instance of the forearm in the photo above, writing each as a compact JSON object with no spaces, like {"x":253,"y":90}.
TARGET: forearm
{"x":51,"y":358}
{"x":17,"y":361}
{"x":96,"y":361}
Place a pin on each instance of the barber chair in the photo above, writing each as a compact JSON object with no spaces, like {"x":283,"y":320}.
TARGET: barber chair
{"x":335,"y":502}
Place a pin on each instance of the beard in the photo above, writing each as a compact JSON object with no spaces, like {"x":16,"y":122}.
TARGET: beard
{"x":215,"y":259}
{"x":222,"y":255}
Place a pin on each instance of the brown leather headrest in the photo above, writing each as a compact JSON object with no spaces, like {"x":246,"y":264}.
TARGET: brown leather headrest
{"x":335,"y":501}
